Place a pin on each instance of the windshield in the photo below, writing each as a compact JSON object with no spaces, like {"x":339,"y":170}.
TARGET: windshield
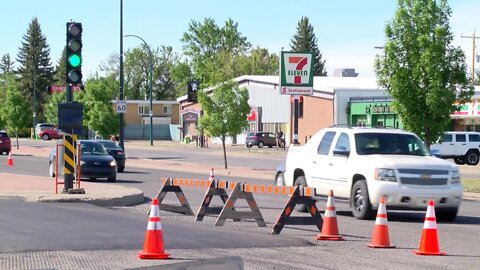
{"x":110,"y":144}
{"x":92,"y":148}
{"x":389,"y":144}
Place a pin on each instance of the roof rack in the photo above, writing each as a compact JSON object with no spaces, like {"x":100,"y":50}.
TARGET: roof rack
{"x":363,"y":126}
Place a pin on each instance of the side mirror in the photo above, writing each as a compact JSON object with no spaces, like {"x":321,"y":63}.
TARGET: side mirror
{"x":341,"y":151}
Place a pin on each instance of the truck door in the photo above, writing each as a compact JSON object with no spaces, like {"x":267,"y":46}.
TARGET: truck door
{"x":318,"y":167}
{"x":338,"y":170}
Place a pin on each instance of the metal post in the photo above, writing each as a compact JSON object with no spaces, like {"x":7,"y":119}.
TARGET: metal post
{"x":120,"y":88}
{"x":473,"y":37}
{"x":150,"y":83}
{"x":295,"y":120}
{"x":34,"y":118}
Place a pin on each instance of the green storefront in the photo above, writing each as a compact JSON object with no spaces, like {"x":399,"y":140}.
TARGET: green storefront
{"x":372,"y":112}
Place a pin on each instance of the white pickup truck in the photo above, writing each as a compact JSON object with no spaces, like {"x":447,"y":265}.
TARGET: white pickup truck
{"x":363,"y":164}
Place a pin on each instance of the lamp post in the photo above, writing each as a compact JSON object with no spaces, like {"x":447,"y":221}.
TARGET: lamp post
{"x":149,"y":78}
{"x":34,"y":118}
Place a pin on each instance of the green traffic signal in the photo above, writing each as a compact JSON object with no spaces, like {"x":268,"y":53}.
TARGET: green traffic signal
{"x":74,"y":60}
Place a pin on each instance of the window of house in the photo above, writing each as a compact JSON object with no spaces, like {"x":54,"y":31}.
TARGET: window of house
{"x":143,"y":109}
{"x":167,"y":109}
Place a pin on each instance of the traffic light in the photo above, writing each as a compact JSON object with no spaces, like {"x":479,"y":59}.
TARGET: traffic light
{"x":74,"y":53}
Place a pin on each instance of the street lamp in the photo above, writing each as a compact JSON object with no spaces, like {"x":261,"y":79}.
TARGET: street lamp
{"x":149,"y":77}
{"x":34,"y":118}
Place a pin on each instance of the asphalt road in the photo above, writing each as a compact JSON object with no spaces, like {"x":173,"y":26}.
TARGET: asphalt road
{"x":81,"y":236}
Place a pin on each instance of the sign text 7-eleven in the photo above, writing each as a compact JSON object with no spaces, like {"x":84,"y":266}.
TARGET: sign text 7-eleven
{"x":296,"y":73}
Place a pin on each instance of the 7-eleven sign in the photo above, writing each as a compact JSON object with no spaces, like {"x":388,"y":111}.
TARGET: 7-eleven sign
{"x":296,"y":73}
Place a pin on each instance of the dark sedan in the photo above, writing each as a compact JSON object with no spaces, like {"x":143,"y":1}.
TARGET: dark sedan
{"x":95,"y":162}
{"x":115,"y":151}
{"x":261,"y":139}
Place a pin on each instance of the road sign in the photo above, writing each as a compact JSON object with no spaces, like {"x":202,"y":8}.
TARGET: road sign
{"x":121,"y":106}
{"x":296,"y":73}
{"x":61,"y":88}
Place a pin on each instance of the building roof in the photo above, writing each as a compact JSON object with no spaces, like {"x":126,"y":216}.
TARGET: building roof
{"x":320,"y":83}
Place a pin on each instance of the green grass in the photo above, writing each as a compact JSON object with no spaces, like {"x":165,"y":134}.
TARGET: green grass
{"x":471,"y":185}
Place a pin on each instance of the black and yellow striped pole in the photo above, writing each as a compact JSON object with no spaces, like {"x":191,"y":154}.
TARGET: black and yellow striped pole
{"x":70,"y":143}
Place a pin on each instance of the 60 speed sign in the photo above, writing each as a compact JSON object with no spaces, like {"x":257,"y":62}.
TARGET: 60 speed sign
{"x":121,"y":106}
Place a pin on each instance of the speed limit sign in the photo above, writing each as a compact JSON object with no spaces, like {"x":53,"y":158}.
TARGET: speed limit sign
{"x":121,"y":106}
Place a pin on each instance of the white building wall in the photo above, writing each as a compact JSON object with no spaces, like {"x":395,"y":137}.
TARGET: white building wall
{"x":275,"y":107}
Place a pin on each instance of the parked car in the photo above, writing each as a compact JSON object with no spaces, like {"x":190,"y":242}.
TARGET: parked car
{"x":5,"y":143}
{"x":95,"y":162}
{"x":261,"y":139}
{"x":462,"y":146}
{"x":364,"y":164}
{"x":49,"y":134}
{"x":43,"y":126}
{"x":115,"y":151}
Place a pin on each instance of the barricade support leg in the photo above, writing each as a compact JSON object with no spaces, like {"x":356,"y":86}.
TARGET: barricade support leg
{"x":214,"y":189}
{"x":229,"y":211}
{"x":298,"y":197}
{"x":169,"y":186}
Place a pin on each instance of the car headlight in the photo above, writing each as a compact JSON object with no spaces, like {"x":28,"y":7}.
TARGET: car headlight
{"x":455,"y":176}
{"x":113,"y":163}
{"x":82,"y":162}
{"x":385,"y":175}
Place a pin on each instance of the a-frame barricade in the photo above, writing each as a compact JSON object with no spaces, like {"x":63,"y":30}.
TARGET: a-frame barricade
{"x":240,"y":192}
{"x":170,"y":186}
{"x":215,"y":188}
{"x":301,"y":195}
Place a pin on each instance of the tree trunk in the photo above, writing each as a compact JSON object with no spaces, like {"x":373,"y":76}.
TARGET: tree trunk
{"x":224,"y":152}
{"x":16,"y":135}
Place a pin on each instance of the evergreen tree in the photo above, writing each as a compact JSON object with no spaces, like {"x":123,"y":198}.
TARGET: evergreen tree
{"x":305,"y":41}
{"x":35,"y":66}
{"x":60,"y":77}
{"x":6,"y":64}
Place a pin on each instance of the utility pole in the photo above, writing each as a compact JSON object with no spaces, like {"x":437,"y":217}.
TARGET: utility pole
{"x":473,"y":37}
{"x":120,"y":88}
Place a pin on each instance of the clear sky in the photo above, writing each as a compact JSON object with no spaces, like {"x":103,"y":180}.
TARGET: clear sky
{"x":347,"y":31}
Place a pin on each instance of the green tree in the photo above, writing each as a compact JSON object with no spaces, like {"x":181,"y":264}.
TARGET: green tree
{"x":60,"y":76}
{"x":98,"y":114}
{"x":421,"y":69}
{"x":204,"y":41}
{"x":305,"y":41}
{"x":225,"y":111}
{"x":477,"y":76}
{"x":6,"y":64}
{"x":259,"y":62}
{"x":181,"y":73}
{"x":15,"y":109}
{"x":51,"y":107}
{"x":34,"y":65}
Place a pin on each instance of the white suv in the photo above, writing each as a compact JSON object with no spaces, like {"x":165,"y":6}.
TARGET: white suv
{"x":462,"y":146}
{"x":364,"y":164}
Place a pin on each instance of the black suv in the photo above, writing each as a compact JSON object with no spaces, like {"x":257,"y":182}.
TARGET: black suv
{"x":5,"y":144}
{"x":261,"y":139}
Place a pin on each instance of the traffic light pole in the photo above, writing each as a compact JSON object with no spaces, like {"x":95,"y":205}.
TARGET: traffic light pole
{"x":68,"y":177}
{"x":120,"y":88}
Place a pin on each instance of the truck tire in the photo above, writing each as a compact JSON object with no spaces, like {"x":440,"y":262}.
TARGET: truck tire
{"x":360,"y":202}
{"x":471,"y":158}
{"x":459,"y":160}
{"x":300,"y":181}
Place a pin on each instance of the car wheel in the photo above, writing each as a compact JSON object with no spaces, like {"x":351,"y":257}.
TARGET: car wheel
{"x":260,"y":144}
{"x":45,"y":137}
{"x":51,"y":169}
{"x":471,"y":158}
{"x":270,"y":146}
{"x":459,"y":160}
{"x":279,"y":179}
{"x":300,"y":181}
{"x":112,"y":178}
{"x":361,"y":206}
{"x":447,"y":215}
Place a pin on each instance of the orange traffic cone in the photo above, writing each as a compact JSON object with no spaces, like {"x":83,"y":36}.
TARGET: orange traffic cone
{"x":212,"y":176}
{"x":380,"y":237}
{"x":330,"y":227}
{"x":10,"y":160}
{"x":429,"y":241}
{"x":153,"y":243}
